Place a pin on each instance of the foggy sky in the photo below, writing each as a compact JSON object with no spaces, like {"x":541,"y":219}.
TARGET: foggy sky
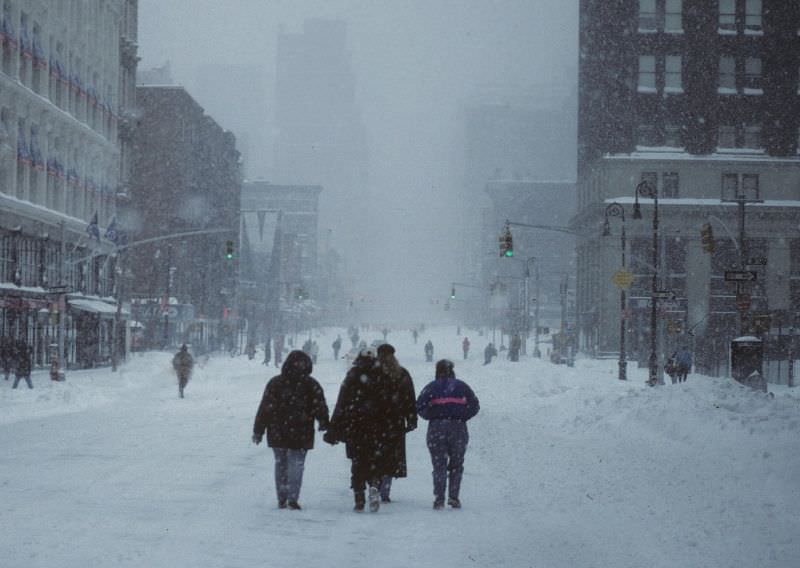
{"x":417,"y":64}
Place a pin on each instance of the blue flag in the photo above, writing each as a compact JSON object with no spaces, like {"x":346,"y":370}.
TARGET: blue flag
{"x":92,"y":229}
{"x":112,"y":234}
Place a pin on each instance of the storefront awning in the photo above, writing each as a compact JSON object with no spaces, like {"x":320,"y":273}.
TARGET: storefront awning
{"x":95,"y":307}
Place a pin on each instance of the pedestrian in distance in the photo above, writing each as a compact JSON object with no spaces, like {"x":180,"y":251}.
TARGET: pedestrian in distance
{"x":398,"y":389}
{"x":267,"y":350}
{"x":362,"y":420}
{"x":291,"y":402}
{"x":514,"y":347}
{"x":6,"y":356}
{"x":415,"y":335}
{"x":183,"y":363}
{"x":465,"y":347}
{"x":429,"y":351}
{"x":337,"y":345}
{"x":447,"y":404}
{"x":489,"y":353}
{"x":22,"y":366}
{"x":683,"y":363}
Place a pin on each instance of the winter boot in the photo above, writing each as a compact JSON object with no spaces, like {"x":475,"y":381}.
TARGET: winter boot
{"x":438,"y":504}
{"x":294,"y":505}
{"x":374,"y":499}
{"x":360,"y":501}
{"x":454,"y":502}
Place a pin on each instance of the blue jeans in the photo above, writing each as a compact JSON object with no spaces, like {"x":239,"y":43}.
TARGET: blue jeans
{"x":27,"y":379}
{"x":289,"y":465}
{"x":447,"y":442}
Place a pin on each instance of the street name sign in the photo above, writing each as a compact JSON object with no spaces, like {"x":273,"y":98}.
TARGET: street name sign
{"x":741,"y":276}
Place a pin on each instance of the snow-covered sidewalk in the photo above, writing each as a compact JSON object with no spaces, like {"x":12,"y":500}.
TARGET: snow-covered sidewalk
{"x":567,"y":467}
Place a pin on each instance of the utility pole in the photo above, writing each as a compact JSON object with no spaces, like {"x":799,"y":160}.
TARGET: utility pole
{"x":742,"y":200}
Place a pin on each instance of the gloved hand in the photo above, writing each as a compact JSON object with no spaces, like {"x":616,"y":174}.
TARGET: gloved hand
{"x":257,"y":439}
{"x":330,"y":438}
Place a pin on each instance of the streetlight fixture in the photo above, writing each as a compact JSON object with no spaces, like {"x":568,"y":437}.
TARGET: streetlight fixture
{"x":646,"y":190}
{"x":536,"y":352}
{"x":617,"y":210}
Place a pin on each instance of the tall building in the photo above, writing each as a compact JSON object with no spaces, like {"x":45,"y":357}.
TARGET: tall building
{"x":186,"y":179}
{"x":320,"y":137}
{"x":698,"y":99}
{"x":66,"y":96}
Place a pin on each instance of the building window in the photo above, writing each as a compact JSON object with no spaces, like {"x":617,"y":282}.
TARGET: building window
{"x":727,"y":16}
{"x":673,"y":74}
{"x":673,"y":16}
{"x":672,"y":136}
{"x":726,"y":136}
{"x":730,"y":186}
{"x":752,"y":17}
{"x":661,"y":15}
{"x":646,"y":135}
{"x":750,"y":186}
{"x":671,"y":181}
{"x":647,"y":16}
{"x":727,"y":74}
{"x":752,"y":74}
{"x":752,"y":136}
{"x":736,"y":186}
{"x":647,"y":73}
{"x":651,"y":178}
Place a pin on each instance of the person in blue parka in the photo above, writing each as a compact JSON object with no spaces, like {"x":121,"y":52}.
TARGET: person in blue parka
{"x":447,"y":404}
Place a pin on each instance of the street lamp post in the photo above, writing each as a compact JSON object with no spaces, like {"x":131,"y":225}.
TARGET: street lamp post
{"x":647,"y":190}
{"x":617,"y":210}
{"x":536,"y":352}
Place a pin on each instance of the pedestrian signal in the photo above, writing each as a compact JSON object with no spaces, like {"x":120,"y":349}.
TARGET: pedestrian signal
{"x":453,"y":292}
{"x":229,"y":250}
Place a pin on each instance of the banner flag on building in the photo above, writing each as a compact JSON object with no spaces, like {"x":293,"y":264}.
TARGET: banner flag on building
{"x":92,"y":229}
{"x":112,"y":234}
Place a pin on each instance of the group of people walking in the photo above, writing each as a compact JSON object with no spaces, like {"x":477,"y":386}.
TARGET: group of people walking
{"x":376,"y":408}
{"x":15,"y":356}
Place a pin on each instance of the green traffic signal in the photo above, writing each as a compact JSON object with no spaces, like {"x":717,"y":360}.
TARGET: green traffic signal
{"x":229,"y":250}
{"x":509,"y":252}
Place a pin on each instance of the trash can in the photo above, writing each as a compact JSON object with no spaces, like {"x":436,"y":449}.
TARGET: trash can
{"x":747,"y":356}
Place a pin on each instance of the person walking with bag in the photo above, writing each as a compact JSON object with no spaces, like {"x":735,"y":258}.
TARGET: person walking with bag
{"x":290,"y":404}
{"x":447,"y":404}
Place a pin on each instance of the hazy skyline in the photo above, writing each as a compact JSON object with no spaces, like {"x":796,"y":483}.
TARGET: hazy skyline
{"x":417,"y":64}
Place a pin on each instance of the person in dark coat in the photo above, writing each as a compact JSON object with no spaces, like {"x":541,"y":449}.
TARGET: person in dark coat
{"x":447,"y":404}
{"x":22,"y":369}
{"x":488,"y":353}
{"x":337,"y":344}
{"x":465,"y":347}
{"x":289,"y":406}
{"x":429,"y":351}
{"x":6,"y":356}
{"x":399,"y":388}
{"x":183,"y":364}
{"x":514,"y":347}
{"x":363,"y":421}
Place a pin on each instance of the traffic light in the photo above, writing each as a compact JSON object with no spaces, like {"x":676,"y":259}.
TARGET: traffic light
{"x":506,"y":243}
{"x":453,"y":292}
{"x":229,"y":250}
{"x":707,"y":238}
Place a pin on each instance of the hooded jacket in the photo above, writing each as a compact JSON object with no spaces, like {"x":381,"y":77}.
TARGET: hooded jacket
{"x":447,"y":398}
{"x":290,"y":404}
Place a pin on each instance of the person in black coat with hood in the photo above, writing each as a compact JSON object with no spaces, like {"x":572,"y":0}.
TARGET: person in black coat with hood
{"x":364,"y":421}
{"x":289,"y":406}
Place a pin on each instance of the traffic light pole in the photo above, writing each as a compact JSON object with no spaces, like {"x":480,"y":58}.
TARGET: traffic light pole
{"x":741,"y":201}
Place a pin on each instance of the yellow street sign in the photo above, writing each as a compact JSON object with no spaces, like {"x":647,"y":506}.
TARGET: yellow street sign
{"x":622,"y":279}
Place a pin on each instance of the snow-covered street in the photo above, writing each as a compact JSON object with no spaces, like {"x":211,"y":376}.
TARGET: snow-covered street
{"x":567,"y":467}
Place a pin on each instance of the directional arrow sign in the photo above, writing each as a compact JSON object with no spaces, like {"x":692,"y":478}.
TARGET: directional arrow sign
{"x":740,"y":276}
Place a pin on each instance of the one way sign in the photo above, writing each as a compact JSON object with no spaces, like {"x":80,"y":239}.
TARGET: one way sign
{"x":741,"y":275}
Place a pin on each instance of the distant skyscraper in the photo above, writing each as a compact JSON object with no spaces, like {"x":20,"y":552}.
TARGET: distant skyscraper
{"x":320,"y":137}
